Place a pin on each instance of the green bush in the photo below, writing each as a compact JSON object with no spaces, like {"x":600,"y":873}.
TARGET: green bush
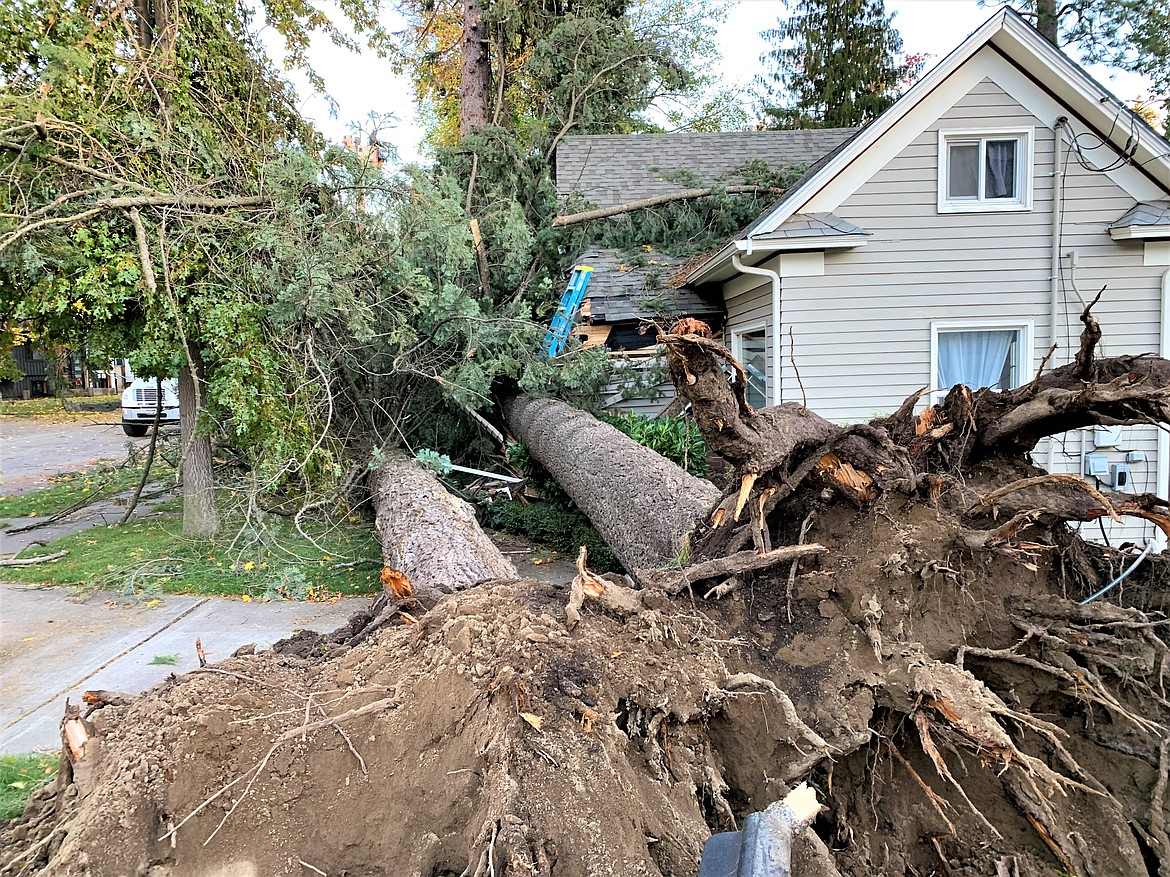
{"x":675,"y":438}
{"x":564,"y":530}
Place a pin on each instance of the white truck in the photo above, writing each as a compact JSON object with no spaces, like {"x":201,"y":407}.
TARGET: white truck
{"x":140,"y":401}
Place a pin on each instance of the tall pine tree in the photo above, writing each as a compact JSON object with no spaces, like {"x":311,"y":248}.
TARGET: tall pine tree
{"x":832,"y":64}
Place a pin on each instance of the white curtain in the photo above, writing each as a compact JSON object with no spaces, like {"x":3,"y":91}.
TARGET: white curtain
{"x":1001,"y":169}
{"x":977,"y":358}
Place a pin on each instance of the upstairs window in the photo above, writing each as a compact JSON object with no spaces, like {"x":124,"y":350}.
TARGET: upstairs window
{"x":984,"y":172}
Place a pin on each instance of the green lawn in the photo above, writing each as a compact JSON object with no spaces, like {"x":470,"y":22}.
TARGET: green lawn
{"x":52,"y":406}
{"x":20,"y":776}
{"x":149,"y":556}
{"x":71,"y":488}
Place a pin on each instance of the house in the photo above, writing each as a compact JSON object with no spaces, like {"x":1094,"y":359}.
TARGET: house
{"x":628,"y":291}
{"x":627,"y":296}
{"x":955,"y":239}
{"x":30,"y":360}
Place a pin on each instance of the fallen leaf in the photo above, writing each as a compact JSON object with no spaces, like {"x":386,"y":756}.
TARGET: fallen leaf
{"x":247,"y":598}
{"x":532,"y":719}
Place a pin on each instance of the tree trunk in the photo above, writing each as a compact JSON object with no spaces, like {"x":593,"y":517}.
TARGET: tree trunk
{"x":200,"y":517}
{"x":643,"y":505}
{"x":429,"y":535}
{"x":475,"y":80}
{"x":1047,"y":20}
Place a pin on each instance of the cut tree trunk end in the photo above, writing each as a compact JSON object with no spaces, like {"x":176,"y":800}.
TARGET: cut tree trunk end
{"x":428,"y":535}
{"x":643,"y":505}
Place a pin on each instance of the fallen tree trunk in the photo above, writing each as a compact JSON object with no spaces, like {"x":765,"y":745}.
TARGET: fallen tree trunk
{"x":643,"y":505}
{"x":429,"y":535}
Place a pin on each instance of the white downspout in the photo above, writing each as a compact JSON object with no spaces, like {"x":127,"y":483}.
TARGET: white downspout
{"x":1054,"y":266}
{"x":1163,"y":467}
{"x":777,"y":347}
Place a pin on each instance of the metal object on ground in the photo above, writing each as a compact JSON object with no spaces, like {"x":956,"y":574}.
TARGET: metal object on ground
{"x":763,"y":847}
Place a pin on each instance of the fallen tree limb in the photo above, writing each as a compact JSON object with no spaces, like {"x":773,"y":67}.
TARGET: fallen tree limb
{"x":30,"y":561}
{"x":658,"y":200}
{"x":674,"y":580}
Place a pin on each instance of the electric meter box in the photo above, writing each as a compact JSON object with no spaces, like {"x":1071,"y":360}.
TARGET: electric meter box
{"x":1120,"y":476}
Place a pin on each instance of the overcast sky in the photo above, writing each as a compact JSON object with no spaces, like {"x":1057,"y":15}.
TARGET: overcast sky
{"x":361,"y":84}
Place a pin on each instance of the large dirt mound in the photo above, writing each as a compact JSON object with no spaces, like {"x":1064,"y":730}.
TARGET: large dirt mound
{"x":956,"y":713}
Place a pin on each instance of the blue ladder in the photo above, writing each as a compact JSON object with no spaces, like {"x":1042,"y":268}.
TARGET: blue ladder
{"x":562,"y":321}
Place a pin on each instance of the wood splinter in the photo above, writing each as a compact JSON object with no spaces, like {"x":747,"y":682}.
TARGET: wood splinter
{"x":745,"y":489}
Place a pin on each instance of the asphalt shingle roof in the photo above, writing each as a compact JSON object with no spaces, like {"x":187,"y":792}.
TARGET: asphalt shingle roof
{"x":610,"y":169}
{"x":625,"y":287}
{"x":1145,"y":213}
{"x":812,"y":225}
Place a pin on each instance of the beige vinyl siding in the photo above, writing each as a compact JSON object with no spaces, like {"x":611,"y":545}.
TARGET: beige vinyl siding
{"x":753,"y":309}
{"x":622,"y":395}
{"x":863,"y":330}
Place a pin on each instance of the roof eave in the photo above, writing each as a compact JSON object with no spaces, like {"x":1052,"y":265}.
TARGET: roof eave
{"x":707,"y":272}
{"x":1140,"y":233}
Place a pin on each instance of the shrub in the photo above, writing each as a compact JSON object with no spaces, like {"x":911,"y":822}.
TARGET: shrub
{"x":564,"y":530}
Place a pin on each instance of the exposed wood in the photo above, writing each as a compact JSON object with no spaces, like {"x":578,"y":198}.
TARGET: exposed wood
{"x":428,"y":535}
{"x":659,"y":200}
{"x":674,"y":580}
{"x":481,"y":259}
{"x":75,"y":736}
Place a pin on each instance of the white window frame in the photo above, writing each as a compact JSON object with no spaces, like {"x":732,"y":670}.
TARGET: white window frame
{"x":1025,"y":170}
{"x":737,"y":334}
{"x":1025,"y":349}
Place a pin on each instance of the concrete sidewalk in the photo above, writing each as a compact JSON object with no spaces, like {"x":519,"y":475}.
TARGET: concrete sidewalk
{"x":52,"y":648}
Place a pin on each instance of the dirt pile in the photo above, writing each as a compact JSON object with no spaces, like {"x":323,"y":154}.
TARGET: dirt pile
{"x":956,"y":714}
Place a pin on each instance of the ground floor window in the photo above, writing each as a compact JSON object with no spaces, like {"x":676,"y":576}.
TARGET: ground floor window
{"x":750,"y":347}
{"x":980,"y":355}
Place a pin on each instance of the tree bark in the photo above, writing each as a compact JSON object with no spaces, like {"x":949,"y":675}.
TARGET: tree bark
{"x":643,"y":505}
{"x":429,"y":535}
{"x":1047,"y":20}
{"x":475,"y":80}
{"x":200,"y":516}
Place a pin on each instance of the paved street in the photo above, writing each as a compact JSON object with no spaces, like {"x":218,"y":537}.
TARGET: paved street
{"x":32,"y":449}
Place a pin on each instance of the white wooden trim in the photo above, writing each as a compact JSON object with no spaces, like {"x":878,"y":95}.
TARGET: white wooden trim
{"x":1024,"y":172}
{"x":1140,"y":233}
{"x":737,"y":332}
{"x":1025,"y":355}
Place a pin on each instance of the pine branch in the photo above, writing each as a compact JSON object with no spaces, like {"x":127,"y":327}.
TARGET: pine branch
{"x":655,"y":201}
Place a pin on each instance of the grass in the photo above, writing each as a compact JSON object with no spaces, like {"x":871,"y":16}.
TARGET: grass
{"x":165,"y":660}
{"x":148,"y":558}
{"x":70,"y":488}
{"x":20,"y":776}
{"x":54,"y":406}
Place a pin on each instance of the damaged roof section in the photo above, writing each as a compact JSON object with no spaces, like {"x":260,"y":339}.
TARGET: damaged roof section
{"x":639,"y":287}
{"x":612,"y":169}
{"x":629,"y":290}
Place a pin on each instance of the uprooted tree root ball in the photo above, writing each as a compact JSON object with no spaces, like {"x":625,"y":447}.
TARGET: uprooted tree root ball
{"x":889,"y":611}
{"x":489,"y":737}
